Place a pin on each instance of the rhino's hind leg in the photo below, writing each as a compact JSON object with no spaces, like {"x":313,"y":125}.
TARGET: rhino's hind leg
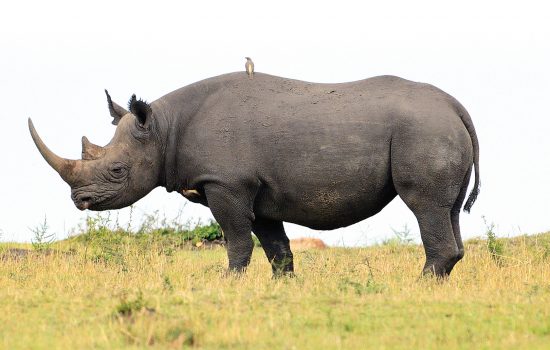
{"x":433,"y":204}
{"x":433,"y":213}
{"x":440,"y":246}
{"x":276,"y":245}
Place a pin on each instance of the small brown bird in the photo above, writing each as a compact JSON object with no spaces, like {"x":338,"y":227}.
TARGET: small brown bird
{"x":249,"y":66}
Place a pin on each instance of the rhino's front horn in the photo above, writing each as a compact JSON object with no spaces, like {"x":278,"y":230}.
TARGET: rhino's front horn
{"x":91,"y":151}
{"x":65,"y":167}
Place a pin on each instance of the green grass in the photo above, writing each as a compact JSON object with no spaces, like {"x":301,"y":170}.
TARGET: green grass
{"x":155,"y":293}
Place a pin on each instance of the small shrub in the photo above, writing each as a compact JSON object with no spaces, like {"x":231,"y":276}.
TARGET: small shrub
{"x":101,"y":241}
{"x":370,"y":287}
{"x":494,"y":245}
{"x":180,"y":337}
{"x":373,"y":287}
{"x":404,"y":236}
{"x":167,"y":284}
{"x":127,"y":308}
{"x":400,"y":237}
{"x":150,"y":223}
{"x":42,"y":240}
{"x":108,"y":255}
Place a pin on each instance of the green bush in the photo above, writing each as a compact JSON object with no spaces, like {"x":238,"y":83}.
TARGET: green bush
{"x":209,"y":232}
{"x":106,"y":241}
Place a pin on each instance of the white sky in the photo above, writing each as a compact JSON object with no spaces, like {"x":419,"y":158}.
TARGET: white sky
{"x":56,"y":57}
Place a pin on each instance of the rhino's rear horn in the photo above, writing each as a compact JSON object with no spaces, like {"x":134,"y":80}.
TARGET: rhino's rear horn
{"x":91,"y":151}
{"x":65,"y":167}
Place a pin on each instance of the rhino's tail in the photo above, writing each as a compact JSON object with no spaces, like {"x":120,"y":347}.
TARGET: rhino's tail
{"x":465,"y":117}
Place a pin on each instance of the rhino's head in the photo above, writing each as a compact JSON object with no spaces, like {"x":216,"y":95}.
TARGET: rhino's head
{"x":120,"y":173}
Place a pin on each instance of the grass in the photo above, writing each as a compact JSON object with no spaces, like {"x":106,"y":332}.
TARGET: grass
{"x":155,"y":294}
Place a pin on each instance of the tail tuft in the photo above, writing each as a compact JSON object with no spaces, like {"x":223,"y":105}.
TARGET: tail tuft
{"x":471,"y":199}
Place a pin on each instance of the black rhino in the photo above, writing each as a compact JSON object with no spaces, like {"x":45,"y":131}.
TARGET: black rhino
{"x":265,"y":150}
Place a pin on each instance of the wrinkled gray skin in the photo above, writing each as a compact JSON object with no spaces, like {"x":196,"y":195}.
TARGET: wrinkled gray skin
{"x":266,"y":150}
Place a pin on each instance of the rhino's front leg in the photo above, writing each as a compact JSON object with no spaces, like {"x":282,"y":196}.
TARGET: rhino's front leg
{"x":233,"y":211}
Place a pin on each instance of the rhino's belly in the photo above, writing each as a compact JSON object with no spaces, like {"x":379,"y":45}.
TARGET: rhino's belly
{"x":326,"y":207}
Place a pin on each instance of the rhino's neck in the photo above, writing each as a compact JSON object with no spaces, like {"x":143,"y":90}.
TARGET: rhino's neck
{"x":178,"y":108}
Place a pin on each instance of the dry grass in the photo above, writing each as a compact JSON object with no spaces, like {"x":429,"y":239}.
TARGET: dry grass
{"x":147,"y":298}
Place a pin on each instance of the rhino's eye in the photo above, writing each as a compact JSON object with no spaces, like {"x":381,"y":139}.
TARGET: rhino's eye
{"x":118,"y":170}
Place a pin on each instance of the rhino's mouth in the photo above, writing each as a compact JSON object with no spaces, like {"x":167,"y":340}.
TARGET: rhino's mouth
{"x":86,"y":200}
{"x":84,"y":203}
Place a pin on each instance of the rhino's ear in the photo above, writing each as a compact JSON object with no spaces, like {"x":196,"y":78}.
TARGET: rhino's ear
{"x":116,"y":111}
{"x":141,"y":109}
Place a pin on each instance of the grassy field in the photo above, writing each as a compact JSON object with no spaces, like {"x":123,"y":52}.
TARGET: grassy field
{"x":130,"y":293}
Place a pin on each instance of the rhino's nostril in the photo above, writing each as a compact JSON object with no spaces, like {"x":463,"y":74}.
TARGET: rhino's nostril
{"x":83,"y":202}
